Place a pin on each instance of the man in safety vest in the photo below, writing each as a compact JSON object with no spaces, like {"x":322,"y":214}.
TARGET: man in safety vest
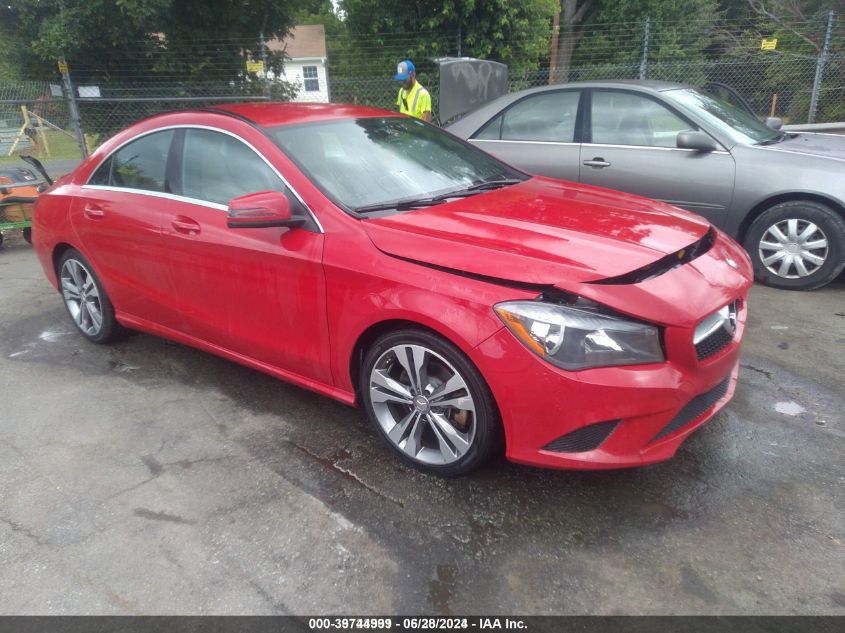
{"x":413,"y":99}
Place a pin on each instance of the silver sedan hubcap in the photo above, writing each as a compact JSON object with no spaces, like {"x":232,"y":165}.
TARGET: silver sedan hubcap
{"x":793,"y":248}
{"x":423,"y":404}
{"x":81,"y":297}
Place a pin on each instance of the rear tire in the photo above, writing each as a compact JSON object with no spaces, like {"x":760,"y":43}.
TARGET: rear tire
{"x":429,"y":403}
{"x":797,"y":245}
{"x":27,"y":235}
{"x":86,"y":300}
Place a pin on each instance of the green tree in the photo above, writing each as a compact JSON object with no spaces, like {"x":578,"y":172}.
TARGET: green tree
{"x":570,"y":23}
{"x":516,"y":33}
{"x":679,"y":29}
{"x":144,"y":39}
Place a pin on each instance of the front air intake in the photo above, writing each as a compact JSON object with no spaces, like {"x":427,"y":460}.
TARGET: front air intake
{"x":587,"y":438}
{"x":694,"y":409}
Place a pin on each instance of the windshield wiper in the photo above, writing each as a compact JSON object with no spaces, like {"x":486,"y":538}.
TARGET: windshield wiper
{"x":477,"y":188}
{"x":774,"y":140}
{"x":493,"y":184}
{"x":400,"y":205}
{"x":415,"y":203}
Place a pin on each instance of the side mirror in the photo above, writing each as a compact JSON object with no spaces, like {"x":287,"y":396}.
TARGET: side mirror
{"x":699,"y":141}
{"x":774,"y":122}
{"x":261,"y":210}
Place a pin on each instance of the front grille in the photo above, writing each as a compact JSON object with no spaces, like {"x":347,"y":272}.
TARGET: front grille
{"x":716,"y":331}
{"x":714,"y":343}
{"x":587,"y":438}
{"x":694,"y":409}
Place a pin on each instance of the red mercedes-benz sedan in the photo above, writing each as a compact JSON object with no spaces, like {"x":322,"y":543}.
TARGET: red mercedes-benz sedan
{"x":381,"y":261}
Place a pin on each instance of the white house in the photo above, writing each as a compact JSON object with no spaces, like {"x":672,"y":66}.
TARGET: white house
{"x":306,"y":63}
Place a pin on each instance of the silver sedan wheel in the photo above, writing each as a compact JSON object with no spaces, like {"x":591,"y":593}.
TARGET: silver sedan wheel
{"x":793,"y":248}
{"x":423,"y":404}
{"x":82,"y":297}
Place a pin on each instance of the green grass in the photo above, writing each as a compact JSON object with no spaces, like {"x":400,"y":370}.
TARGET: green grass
{"x":62,"y":146}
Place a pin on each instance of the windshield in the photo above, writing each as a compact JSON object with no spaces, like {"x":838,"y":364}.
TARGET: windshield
{"x":735,"y":123}
{"x":373,"y":161}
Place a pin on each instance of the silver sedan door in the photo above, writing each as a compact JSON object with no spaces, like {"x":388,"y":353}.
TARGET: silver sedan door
{"x":633,"y":148}
{"x":536,"y":134}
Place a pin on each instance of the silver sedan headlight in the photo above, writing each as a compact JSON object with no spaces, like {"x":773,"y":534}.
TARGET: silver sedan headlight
{"x":573,"y":338}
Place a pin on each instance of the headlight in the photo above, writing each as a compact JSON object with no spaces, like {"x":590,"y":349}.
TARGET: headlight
{"x":572,"y":338}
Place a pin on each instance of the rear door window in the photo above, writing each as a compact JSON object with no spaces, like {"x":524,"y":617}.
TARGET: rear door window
{"x":545,"y":117}
{"x":141,"y":164}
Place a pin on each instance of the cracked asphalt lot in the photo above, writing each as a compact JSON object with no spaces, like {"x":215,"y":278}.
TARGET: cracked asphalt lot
{"x":147,"y":477}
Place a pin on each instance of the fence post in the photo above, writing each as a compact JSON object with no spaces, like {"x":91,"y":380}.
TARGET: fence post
{"x":644,"y":62}
{"x":817,"y":82}
{"x":459,"y":41}
{"x":73,"y":107}
{"x":264,"y":62}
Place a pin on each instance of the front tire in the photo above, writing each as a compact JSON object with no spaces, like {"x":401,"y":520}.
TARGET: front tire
{"x":429,"y":403}
{"x":27,"y":235}
{"x":797,"y":245}
{"x":86,"y":300}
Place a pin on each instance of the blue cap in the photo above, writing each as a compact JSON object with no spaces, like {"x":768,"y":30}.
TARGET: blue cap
{"x":404,"y":70}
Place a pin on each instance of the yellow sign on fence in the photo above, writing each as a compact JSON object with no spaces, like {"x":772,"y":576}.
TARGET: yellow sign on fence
{"x":254,"y":67}
{"x":63,"y":67}
{"x":769,"y":45}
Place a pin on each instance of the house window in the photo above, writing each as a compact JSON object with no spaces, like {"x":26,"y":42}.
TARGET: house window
{"x":312,"y":84}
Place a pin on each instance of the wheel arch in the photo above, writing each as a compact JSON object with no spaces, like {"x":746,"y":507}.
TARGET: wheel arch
{"x":373,"y":332}
{"x":795,"y":196}
{"x":58,"y":251}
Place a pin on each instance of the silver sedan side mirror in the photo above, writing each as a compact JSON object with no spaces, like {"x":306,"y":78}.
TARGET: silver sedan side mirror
{"x":774,"y":122}
{"x":692,"y":139}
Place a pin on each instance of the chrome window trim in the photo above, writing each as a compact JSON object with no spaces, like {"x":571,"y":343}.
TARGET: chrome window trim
{"x":159,"y":194}
{"x":498,"y":140}
{"x":670,"y":149}
{"x":664,"y":149}
{"x":206,"y":203}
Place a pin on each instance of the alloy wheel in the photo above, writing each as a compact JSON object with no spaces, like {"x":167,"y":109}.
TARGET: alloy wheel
{"x":423,"y":404}
{"x":793,"y":248}
{"x":82,"y":297}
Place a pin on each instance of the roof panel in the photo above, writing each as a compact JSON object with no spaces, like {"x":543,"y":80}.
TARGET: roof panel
{"x":269,"y":114}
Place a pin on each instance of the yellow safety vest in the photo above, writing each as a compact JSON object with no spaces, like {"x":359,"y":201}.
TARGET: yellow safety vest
{"x":415,"y":102}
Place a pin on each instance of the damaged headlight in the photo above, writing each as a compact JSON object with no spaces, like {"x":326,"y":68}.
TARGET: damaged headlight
{"x":573,"y":338}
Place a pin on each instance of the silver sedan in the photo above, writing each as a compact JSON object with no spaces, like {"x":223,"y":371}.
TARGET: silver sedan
{"x":782,"y":195}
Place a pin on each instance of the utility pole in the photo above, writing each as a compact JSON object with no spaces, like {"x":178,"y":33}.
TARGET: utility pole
{"x":644,"y":62}
{"x":264,"y":63}
{"x":555,"y":38}
{"x":817,"y":82}
{"x":73,"y":107}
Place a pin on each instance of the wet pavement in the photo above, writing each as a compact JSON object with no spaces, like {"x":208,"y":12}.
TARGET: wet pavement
{"x":147,"y":477}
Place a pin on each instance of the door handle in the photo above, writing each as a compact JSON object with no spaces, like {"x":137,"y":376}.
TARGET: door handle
{"x":184,"y":225}
{"x":598,"y":161}
{"x":93,"y":212}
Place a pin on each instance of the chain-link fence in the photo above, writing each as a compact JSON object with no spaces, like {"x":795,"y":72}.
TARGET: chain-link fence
{"x":800,"y":79}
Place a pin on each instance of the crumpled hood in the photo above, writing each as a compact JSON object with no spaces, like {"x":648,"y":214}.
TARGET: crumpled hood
{"x":541,"y":231}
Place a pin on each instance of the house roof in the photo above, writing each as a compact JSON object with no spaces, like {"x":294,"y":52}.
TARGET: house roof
{"x":307,"y":40}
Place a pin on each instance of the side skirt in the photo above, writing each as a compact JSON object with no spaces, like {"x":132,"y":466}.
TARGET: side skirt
{"x":135,"y":323}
